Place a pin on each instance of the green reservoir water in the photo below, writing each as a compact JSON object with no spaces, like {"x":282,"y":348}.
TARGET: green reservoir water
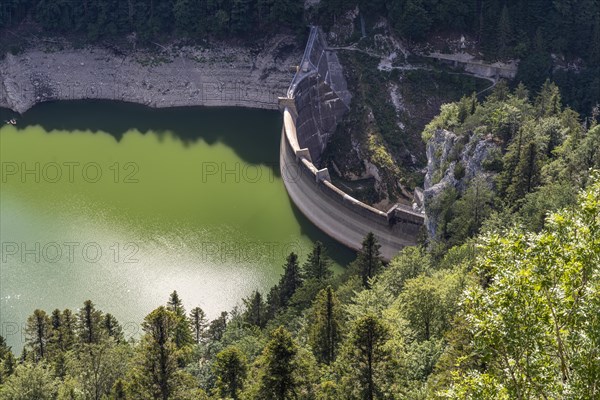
{"x":123,"y":204}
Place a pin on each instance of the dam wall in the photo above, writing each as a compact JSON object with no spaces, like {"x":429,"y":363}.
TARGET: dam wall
{"x":317,"y":100}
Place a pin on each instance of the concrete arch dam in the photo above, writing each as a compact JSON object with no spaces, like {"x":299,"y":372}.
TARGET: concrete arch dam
{"x":316,"y":101}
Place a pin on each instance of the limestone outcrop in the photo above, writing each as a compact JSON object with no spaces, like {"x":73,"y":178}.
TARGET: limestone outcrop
{"x":453,"y":161}
{"x":176,"y":76}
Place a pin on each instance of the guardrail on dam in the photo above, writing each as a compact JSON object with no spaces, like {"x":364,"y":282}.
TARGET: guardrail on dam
{"x":316,"y":101}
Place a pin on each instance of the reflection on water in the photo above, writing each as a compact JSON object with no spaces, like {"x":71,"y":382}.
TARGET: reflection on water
{"x":122,"y":204}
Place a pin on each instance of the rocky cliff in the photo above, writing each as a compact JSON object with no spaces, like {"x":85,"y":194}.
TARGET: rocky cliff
{"x":453,"y":161}
{"x":220,"y":75}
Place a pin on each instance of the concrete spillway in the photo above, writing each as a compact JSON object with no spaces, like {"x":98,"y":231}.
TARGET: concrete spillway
{"x":316,"y":101}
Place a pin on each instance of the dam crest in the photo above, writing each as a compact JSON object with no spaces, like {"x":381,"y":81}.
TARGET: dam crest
{"x":316,"y":101}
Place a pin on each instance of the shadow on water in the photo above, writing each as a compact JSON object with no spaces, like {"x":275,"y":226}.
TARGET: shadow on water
{"x":259,"y":144}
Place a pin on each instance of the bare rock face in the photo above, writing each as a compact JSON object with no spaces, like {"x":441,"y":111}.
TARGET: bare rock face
{"x":453,"y":161}
{"x":176,"y":76}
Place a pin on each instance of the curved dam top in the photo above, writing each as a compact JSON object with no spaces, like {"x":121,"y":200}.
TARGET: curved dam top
{"x":316,"y":101}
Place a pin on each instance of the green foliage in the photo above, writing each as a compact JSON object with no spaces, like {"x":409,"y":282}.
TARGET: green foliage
{"x":471,"y":322}
{"x":278,"y":365}
{"x":230,"y":368}
{"x":30,"y":381}
{"x":156,"y":374}
{"x":37,"y":334}
{"x":326,"y":327}
{"x":217,"y":327}
{"x":97,"y":367}
{"x":470,"y":211}
{"x":89,"y":323}
{"x":538,"y":155}
{"x":151,"y":19}
{"x":408,"y":264}
{"x":368,"y":261}
{"x":291,"y":279}
{"x":198,"y":323}
{"x":256,"y":310}
{"x":428,"y":303}
{"x":535,"y":317}
{"x":7,"y":361}
{"x":318,"y":263}
{"x":363,"y":359}
{"x":183,"y":332}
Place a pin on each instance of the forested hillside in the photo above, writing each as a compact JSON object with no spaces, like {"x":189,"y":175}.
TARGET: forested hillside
{"x":152,"y":19}
{"x":553,"y":39}
{"x":507,"y":160}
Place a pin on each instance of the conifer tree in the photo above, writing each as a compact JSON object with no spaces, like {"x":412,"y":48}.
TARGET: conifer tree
{"x":325,"y":328}
{"x":113,"y":328}
{"x":255,"y":313}
{"x":158,"y":366}
{"x":365,"y":358}
{"x":68,"y":329}
{"x":183,"y":333}
{"x":504,"y":33}
{"x":7,"y":361}
{"x":230,"y":368}
{"x":317,"y":264}
{"x":369,"y":261}
{"x":89,"y":323}
{"x":37,"y":334}
{"x":290,"y":280}
{"x":548,"y":102}
{"x":56,"y":341}
{"x":278,"y":367}
{"x":175,"y":304}
{"x":217,"y":327}
{"x":198,"y":323}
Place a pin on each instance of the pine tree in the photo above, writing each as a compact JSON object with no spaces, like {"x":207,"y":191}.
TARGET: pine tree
{"x":291,"y":279}
{"x":317,"y":264}
{"x":273,"y":301}
{"x":278,"y":367}
{"x":548,"y":102}
{"x":199,"y":323}
{"x":89,"y":324}
{"x":68,"y":329}
{"x":159,"y":355}
{"x":183,"y":333}
{"x":255,"y":313}
{"x":230,"y":369}
{"x":175,"y":304}
{"x":325,"y":328}
{"x":365,"y":357}
{"x":217,"y":327}
{"x":369,"y":261}
{"x":8,"y":365}
{"x":113,"y":328}
{"x":37,"y":334}
{"x":7,"y":361}
{"x":56,"y":342}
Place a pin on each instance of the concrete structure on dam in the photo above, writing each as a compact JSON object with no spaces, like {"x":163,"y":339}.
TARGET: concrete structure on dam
{"x":316,"y":101}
